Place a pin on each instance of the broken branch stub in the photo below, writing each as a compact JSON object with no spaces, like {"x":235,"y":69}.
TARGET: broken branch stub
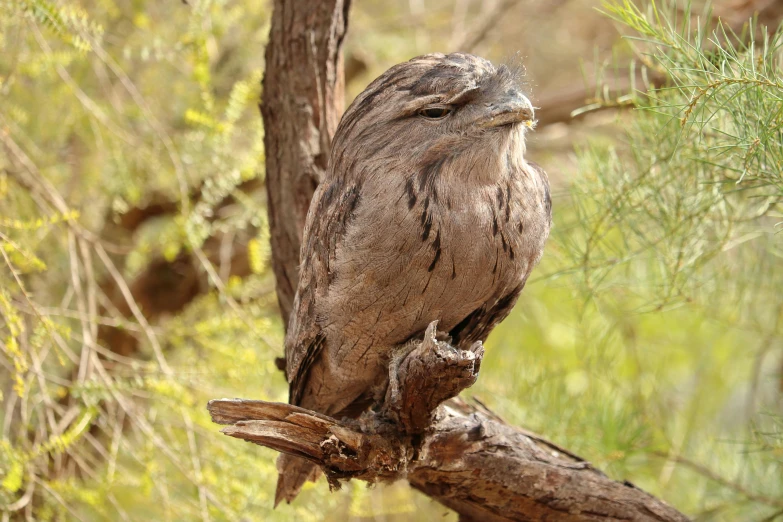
{"x":377,"y":446}
{"x":427,"y":375}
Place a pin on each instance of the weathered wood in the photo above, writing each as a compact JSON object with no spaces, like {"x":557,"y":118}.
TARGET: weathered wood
{"x":426,"y":374}
{"x":464,"y":457}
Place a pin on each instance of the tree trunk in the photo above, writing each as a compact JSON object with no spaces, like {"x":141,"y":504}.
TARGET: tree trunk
{"x":301,"y":104}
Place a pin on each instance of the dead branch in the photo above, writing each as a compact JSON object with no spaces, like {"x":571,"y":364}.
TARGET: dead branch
{"x":465,"y":458}
{"x":490,"y":20}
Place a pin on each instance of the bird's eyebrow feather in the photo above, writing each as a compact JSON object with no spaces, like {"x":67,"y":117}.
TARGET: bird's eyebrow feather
{"x":462,"y":97}
{"x":465,"y":96}
{"x":420,"y":102}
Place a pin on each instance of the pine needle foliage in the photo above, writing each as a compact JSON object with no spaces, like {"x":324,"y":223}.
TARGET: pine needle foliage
{"x":663,"y":278}
{"x":701,"y":175}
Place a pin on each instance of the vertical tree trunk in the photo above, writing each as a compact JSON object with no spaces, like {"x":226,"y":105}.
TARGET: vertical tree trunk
{"x":301,"y":106}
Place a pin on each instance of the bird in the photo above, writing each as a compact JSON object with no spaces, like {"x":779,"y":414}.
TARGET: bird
{"x":428,"y":211}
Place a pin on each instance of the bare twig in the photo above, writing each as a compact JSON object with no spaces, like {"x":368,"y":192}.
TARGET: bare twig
{"x":715,"y":477}
{"x":488,"y":21}
{"x":474,"y":38}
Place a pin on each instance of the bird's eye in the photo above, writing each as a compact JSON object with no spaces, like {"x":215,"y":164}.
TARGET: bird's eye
{"x":435,"y":113}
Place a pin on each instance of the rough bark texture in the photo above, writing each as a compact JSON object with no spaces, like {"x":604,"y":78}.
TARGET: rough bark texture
{"x":459,"y":454}
{"x":301,"y":105}
{"x":426,"y":376}
{"x":466,"y":458}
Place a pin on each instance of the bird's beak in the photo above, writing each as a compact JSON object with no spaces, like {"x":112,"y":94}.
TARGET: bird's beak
{"x":513,"y":108}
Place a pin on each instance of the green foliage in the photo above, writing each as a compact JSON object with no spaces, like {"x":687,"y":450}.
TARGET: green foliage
{"x":649,"y":341}
{"x":653,"y":337}
{"x":106,"y":108}
{"x":702,"y":174}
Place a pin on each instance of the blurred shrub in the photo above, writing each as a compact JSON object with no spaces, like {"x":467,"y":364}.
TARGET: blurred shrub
{"x":130,"y":144}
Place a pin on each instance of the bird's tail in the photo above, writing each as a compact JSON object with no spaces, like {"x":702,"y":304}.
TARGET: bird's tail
{"x":293,"y":472}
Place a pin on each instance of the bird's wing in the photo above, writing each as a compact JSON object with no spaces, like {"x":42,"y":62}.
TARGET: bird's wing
{"x":538,"y":171}
{"x":333,"y":203}
{"x":479,"y":323}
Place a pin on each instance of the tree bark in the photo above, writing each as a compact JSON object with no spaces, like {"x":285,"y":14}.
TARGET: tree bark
{"x":461,"y":455}
{"x":301,"y":105}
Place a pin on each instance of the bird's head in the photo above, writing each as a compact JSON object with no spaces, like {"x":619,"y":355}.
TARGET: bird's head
{"x":435,"y":108}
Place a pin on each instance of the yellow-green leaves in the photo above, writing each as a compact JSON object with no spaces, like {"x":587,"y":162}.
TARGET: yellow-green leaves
{"x":12,"y":329}
{"x":70,"y":22}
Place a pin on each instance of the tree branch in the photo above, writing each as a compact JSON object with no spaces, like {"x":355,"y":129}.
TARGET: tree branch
{"x":465,"y":458}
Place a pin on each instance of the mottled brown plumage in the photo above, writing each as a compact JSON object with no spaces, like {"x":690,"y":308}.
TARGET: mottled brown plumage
{"x":428,"y":211}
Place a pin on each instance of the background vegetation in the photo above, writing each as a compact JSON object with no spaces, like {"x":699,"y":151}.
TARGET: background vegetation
{"x":134,"y":278}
